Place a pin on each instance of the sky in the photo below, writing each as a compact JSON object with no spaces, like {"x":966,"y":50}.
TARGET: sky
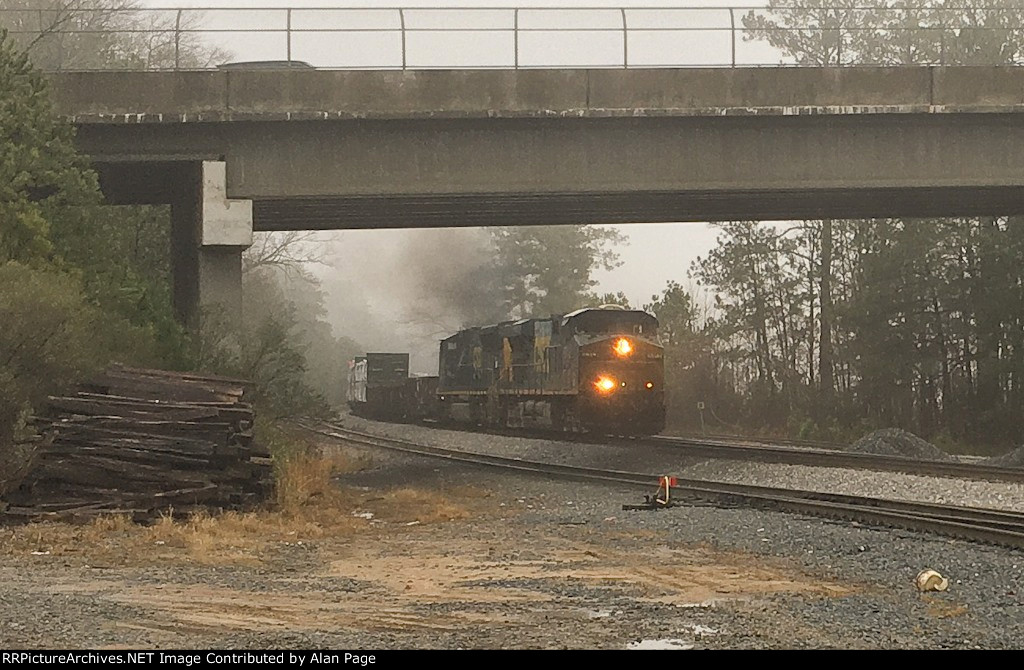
{"x":372,"y":4}
{"x":654,"y":254}
{"x":484,"y":36}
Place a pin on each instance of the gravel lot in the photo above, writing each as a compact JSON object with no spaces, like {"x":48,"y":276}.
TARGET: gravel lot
{"x":534,"y":563}
{"x":984,"y":607}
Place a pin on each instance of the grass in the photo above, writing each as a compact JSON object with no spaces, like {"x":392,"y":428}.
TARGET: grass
{"x":308,"y":506}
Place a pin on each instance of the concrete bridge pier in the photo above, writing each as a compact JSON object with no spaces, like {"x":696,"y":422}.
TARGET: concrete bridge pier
{"x":209,"y":233}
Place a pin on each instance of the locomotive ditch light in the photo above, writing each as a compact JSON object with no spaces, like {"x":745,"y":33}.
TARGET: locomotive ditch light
{"x":623,"y":347}
{"x":649,"y":385}
{"x":605,"y":385}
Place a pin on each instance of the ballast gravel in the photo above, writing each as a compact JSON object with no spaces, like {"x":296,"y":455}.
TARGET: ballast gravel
{"x":667,"y":460}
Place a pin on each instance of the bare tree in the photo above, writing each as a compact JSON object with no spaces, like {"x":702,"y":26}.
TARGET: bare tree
{"x":86,"y":34}
{"x":290,"y":252}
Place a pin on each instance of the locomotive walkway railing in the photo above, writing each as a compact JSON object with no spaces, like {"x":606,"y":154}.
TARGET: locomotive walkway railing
{"x":71,"y":35}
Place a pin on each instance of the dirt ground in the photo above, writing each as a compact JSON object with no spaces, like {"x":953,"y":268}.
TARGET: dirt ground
{"x":416,"y":580}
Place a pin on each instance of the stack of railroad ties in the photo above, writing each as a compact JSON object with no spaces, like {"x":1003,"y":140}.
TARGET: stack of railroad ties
{"x":143,"y":442}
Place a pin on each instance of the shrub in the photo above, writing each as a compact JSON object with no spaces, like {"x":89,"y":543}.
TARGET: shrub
{"x":51,"y":338}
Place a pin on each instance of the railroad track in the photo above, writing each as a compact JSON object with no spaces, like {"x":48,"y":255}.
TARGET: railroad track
{"x":769,"y":453}
{"x":978,"y":524}
{"x":763,"y":441}
{"x":789,"y":452}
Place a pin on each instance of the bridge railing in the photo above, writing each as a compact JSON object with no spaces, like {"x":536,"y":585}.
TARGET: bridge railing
{"x":119,"y":37}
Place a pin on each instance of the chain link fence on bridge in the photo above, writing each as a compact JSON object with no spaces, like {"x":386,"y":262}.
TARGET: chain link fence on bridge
{"x":63,"y":35}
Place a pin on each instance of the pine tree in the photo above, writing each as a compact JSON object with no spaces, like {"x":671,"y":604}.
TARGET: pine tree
{"x":549,"y":269}
{"x":40,"y":172}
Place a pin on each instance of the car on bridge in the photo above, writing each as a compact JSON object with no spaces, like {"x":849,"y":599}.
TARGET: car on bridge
{"x":267,"y":65}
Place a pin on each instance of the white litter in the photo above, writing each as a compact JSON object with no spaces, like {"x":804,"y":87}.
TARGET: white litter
{"x":660,"y":644}
{"x":930,"y":580}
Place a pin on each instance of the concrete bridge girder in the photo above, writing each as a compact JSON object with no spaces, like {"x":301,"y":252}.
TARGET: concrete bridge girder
{"x":446,"y":172}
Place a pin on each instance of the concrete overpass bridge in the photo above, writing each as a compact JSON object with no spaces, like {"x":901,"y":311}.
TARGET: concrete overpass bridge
{"x":234,"y":151}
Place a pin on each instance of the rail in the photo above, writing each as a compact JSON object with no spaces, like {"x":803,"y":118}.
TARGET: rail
{"x":73,"y":37}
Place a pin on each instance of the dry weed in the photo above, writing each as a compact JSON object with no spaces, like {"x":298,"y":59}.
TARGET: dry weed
{"x":307,"y":506}
{"x":406,"y":505}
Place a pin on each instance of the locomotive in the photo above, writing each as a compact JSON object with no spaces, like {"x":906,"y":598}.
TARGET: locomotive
{"x":593,"y":370}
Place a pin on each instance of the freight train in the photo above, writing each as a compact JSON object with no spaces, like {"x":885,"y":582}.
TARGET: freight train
{"x":599,"y":370}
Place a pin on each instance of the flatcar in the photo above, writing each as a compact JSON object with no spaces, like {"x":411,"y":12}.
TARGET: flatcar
{"x":593,"y":370}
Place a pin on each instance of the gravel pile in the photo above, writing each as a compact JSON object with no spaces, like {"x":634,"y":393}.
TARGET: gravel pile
{"x":897,"y":442}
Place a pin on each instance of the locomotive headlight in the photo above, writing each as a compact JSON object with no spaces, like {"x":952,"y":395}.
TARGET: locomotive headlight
{"x":623,"y":347}
{"x":605,"y":385}
{"x":649,"y":385}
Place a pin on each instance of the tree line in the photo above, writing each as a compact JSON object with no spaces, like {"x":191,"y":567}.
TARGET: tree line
{"x":83,"y":284}
{"x":891,"y":32}
{"x":831,"y":328}
{"x":119,"y":34}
